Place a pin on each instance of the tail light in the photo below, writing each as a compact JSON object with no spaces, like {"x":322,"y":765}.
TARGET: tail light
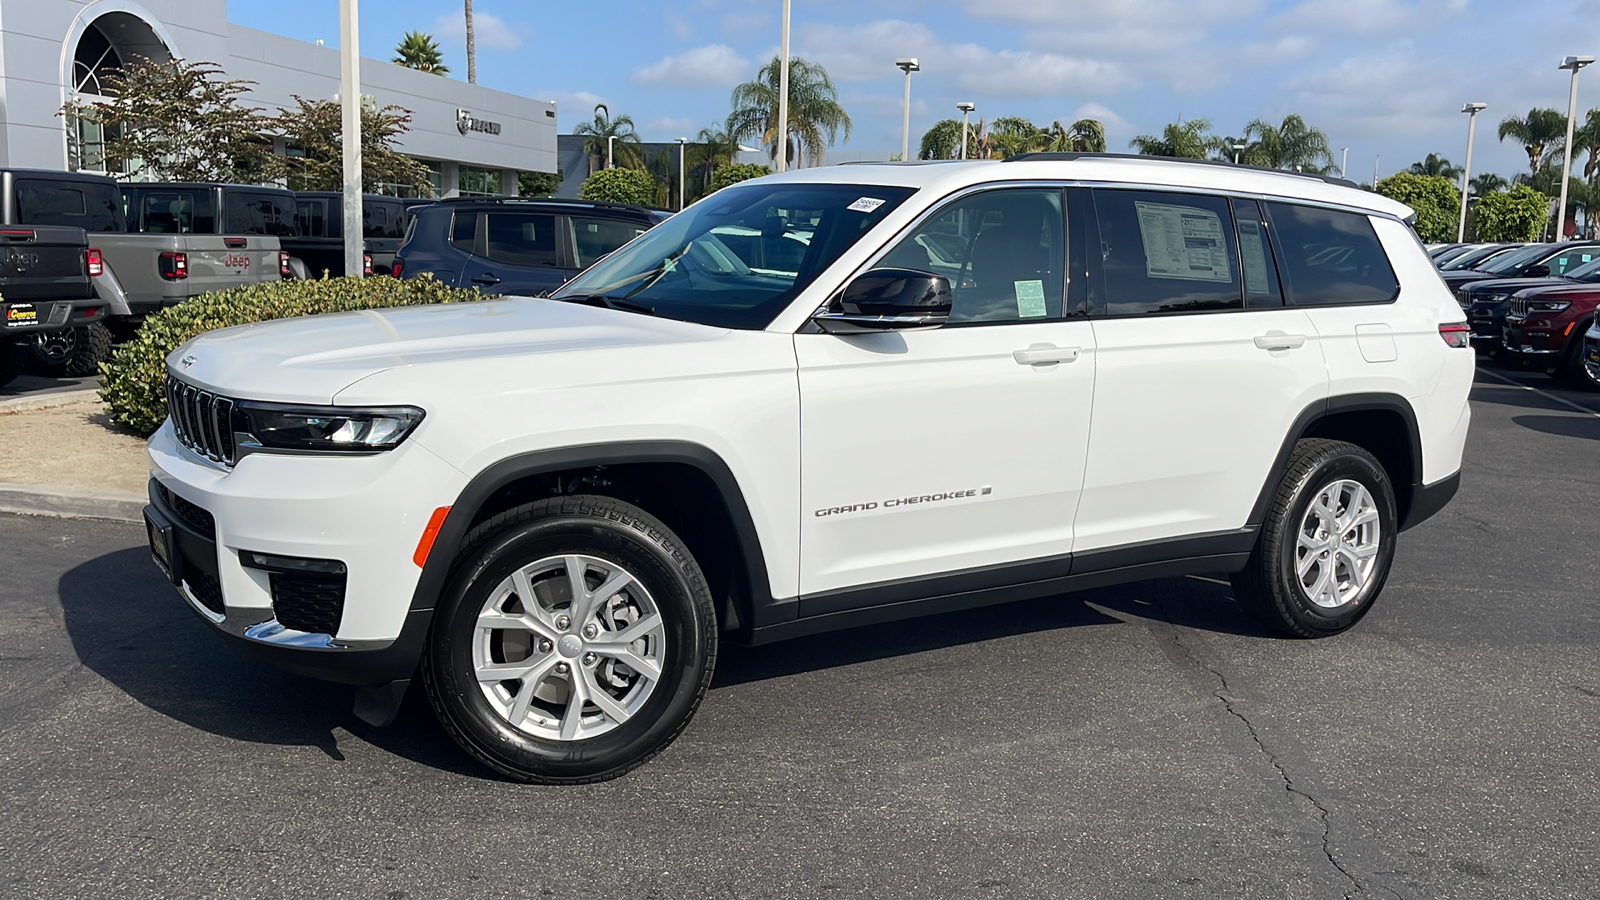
{"x":366,"y":263}
{"x":174,"y":266}
{"x":398,"y":267}
{"x":283,"y":264}
{"x":1456,"y":334}
{"x":97,"y":263}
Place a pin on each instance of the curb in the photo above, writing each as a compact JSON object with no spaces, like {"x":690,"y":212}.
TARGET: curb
{"x":45,"y":401}
{"x":73,"y":503}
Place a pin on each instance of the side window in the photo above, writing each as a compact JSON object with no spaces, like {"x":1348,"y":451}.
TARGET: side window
{"x":522,"y":239}
{"x":309,"y":216}
{"x":464,"y":232}
{"x":1003,"y":252}
{"x":91,"y":207}
{"x":1330,"y":257}
{"x":166,"y":212}
{"x":593,"y":238}
{"x":1261,"y":286}
{"x":1571,"y":259}
{"x":1167,"y":253}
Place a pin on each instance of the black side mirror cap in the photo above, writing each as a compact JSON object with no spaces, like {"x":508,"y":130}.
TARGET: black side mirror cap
{"x":888,"y":300}
{"x":1539,"y":271}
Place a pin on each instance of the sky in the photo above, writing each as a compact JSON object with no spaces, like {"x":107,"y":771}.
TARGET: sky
{"x":1385,"y":78}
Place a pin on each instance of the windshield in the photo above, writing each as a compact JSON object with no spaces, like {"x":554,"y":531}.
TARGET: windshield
{"x":1588,"y":273}
{"x":1468,"y":259}
{"x":1512,"y":261}
{"x":737,"y":258}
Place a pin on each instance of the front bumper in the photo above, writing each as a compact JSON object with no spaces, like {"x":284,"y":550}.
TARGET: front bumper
{"x":367,"y":512}
{"x":1518,"y":338}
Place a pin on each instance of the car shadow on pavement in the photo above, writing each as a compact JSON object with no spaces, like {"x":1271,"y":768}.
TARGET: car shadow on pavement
{"x":128,"y":626}
{"x":1562,"y":426}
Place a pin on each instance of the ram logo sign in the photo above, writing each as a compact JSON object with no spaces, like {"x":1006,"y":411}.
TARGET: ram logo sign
{"x":466,"y":121}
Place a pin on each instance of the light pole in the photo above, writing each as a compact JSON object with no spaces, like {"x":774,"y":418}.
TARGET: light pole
{"x":609,"y":156}
{"x":907,"y":66}
{"x":682,"y":142}
{"x":782,"y":136}
{"x":350,"y":135}
{"x":1574,"y":63}
{"x":1238,"y":149}
{"x":966,"y":108}
{"x":1344,"y":157}
{"x":1472,"y":110}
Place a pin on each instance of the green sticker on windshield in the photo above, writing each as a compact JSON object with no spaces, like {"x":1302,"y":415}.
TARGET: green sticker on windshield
{"x":1030,"y":299}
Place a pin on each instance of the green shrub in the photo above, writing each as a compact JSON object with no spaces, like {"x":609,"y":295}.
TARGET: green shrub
{"x":620,"y":186}
{"x":1519,"y":214}
{"x":737,"y":172}
{"x":1435,"y":200}
{"x":134,"y":384}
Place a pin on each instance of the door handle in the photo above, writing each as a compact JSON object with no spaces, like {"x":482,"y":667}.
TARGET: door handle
{"x":486,"y":278}
{"x":1045,"y":354}
{"x":1278,"y":340}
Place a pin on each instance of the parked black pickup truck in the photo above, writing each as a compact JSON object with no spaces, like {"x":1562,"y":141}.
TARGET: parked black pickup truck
{"x":45,"y":290}
{"x":320,"y":245}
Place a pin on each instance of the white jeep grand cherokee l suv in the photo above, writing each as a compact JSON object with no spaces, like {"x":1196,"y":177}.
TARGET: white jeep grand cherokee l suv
{"x":835,"y":396}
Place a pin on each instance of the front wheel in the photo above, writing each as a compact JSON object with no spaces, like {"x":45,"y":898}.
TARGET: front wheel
{"x":1324,"y":551}
{"x":574,"y":644}
{"x":1576,"y":368}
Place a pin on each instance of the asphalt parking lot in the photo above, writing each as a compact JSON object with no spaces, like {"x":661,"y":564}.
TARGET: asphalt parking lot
{"x":1137,"y":742}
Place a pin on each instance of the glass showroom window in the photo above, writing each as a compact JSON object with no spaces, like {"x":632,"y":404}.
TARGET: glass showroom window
{"x":475,"y":182}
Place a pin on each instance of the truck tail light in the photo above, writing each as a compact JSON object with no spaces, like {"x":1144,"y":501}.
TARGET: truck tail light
{"x":1456,"y":334}
{"x":283,"y":264}
{"x":174,"y":266}
{"x":398,"y":267}
{"x":97,"y":263}
{"x":366,"y":263}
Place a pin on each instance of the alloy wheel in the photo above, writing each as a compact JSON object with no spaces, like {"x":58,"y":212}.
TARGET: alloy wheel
{"x":1337,"y":544}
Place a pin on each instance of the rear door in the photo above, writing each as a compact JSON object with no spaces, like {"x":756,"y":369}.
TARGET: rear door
{"x":517,"y":252}
{"x":1202,"y":368}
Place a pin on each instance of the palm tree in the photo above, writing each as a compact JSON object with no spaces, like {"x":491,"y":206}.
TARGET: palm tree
{"x":1436,"y":165}
{"x":942,"y":140}
{"x":1487,"y":183}
{"x":611,"y":135}
{"x":712,"y":148}
{"x":1185,"y":140}
{"x":1013,"y":135}
{"x":1086,"y":135}
{"x":1541,"y":134}
{"x":1292,"y":144}
{"x":418,"y":50}
{"x":472,"y":48}
{"x":1586,"y":138}
{"x":815,"y":116}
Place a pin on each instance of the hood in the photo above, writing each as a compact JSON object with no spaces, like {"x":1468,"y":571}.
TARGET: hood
{"x":1511,"y":285}
{"x":1462,"y":276}
{"x":1568,"y":289}
{"x":311,"y":359}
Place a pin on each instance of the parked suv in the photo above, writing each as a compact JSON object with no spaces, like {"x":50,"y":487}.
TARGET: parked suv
{"x":1547,"y":325}
{"x":980,"y":382}
{"x":1534,"y":261}
{"x":516,"y":246}
{"x":1591,"y":354}
{"x":1487,"y":302}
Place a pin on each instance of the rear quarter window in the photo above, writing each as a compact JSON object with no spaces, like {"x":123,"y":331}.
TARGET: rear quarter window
{"x":1330,"y":257}
{"x":92,"y":207}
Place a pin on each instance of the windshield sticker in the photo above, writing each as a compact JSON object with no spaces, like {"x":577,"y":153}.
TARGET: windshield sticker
{"x":866,"y":205}
{"x":1183,"y":242}
{"x":1030,"y":299}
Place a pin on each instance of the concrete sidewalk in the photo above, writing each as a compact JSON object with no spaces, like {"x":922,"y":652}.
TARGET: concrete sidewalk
{"x":61,"y":456}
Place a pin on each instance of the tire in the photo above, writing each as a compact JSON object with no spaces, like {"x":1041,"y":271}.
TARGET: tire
{"x":73,"y":352}
{"x":524,"y":552}
{"x":1271,"y":589}
{"x":1573,"y":369}
{"x":14,"y":357}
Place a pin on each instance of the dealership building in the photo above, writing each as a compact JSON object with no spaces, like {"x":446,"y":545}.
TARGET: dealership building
{"x":473,"y":140}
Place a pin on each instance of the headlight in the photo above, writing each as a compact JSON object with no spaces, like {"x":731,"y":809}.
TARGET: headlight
{"x":325,"y":429}
{"x":1548,"y":305}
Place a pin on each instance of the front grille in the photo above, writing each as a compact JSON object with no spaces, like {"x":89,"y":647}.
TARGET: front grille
{"x":1519,"y":306}
{"x":313,"y":603}
{"x":206,"y":589}
{"x":194,"y":515}
{"x":203,"y":421}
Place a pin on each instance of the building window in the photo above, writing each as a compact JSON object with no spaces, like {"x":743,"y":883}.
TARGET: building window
{"x":475,"y":182}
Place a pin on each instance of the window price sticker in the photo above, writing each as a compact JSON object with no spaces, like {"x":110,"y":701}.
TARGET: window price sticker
{"x":865,"y":204}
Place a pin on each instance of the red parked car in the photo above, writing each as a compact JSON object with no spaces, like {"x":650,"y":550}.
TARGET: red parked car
{"x":1548,"y":323}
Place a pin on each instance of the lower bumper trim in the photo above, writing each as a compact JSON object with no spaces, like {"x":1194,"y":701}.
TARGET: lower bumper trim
{"x":1427,"y":500}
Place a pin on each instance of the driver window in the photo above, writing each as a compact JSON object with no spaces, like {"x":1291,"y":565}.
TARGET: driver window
{"x":1003,"y":252}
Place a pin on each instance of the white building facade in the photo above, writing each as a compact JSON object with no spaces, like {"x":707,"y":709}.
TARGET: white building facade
{"x":473,"y":139}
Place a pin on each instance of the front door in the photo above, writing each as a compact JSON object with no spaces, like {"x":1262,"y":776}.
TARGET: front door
{"x":956,"y":448}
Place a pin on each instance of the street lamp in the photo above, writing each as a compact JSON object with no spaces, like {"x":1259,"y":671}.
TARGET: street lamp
{"x":1574,"y":63}
{"x":609,"y":156}
{"x":682,"y":142}
{"x":907,"y":66}
{"x":782,"y":159}
{"x":966,"y":108}
{"x":1238,"y":149}
{"x":1472,"y":110}
{"x":1344,"y":157}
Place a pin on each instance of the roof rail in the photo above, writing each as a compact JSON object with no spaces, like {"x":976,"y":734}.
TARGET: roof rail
{"x":900,"y":162}
{"x":1139,"y":157}
{"x":594,"y":204}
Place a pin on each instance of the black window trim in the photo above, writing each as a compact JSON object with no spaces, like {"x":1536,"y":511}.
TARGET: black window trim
{"x":1271,"y":248}
{"x":1286,"y":284}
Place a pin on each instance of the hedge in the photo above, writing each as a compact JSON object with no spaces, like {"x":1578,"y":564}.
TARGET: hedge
{"x":134,"y":384}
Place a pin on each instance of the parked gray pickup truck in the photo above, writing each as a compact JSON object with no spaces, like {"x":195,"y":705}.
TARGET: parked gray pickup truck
{"x":45,"y":290}
{"x":177,"y":247}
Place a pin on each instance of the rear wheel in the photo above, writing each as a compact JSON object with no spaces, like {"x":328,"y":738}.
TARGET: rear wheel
{"x":574,"y":644}
{"x":1325,"y":548}
{"x":73,"y":352}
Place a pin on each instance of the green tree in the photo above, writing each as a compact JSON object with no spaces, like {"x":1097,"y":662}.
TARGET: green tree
{"x":1486,"y":183}
{"x":1519,"y":214}
{"x":314,"y":131}
{"x":815,"y":117}
{"x":620,"y":186}
{"x":1082,"y":136}
{"x":712,"y":149}
{"x":617,"y":134}
{"x":178,"y":121}
{"x":942,"y":140}
{"x":1185,"y":140}
{"x":737,"y":172}
{"x":538,"y":184}
{"x":1586,"y":139}
{"x":1435,"y":200}
{"x":1541,"y":133}
{"x":1435,"y":164}
{"x":418,"y":50}
{"x":1290,"y":145}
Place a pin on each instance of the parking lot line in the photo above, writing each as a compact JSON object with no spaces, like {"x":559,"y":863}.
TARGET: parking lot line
{"x":1545,"y":394}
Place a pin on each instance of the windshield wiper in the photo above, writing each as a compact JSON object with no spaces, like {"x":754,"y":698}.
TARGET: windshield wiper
{"x":608,"y":302}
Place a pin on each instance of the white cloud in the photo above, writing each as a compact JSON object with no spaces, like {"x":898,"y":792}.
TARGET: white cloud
{"x":1288,"y":48}
{"x":715,"y":65}
{"x":1013,"y":73}
{"x":668,"y":128}
{"x":1368,"y":16}
{"x":488,"y":30}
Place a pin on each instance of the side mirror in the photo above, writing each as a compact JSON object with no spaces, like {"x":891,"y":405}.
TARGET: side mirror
{"x":888,"y":300}
{"x":1539,"y":271}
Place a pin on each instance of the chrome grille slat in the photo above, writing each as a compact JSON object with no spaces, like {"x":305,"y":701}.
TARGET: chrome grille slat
{"x":202,"y":421}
